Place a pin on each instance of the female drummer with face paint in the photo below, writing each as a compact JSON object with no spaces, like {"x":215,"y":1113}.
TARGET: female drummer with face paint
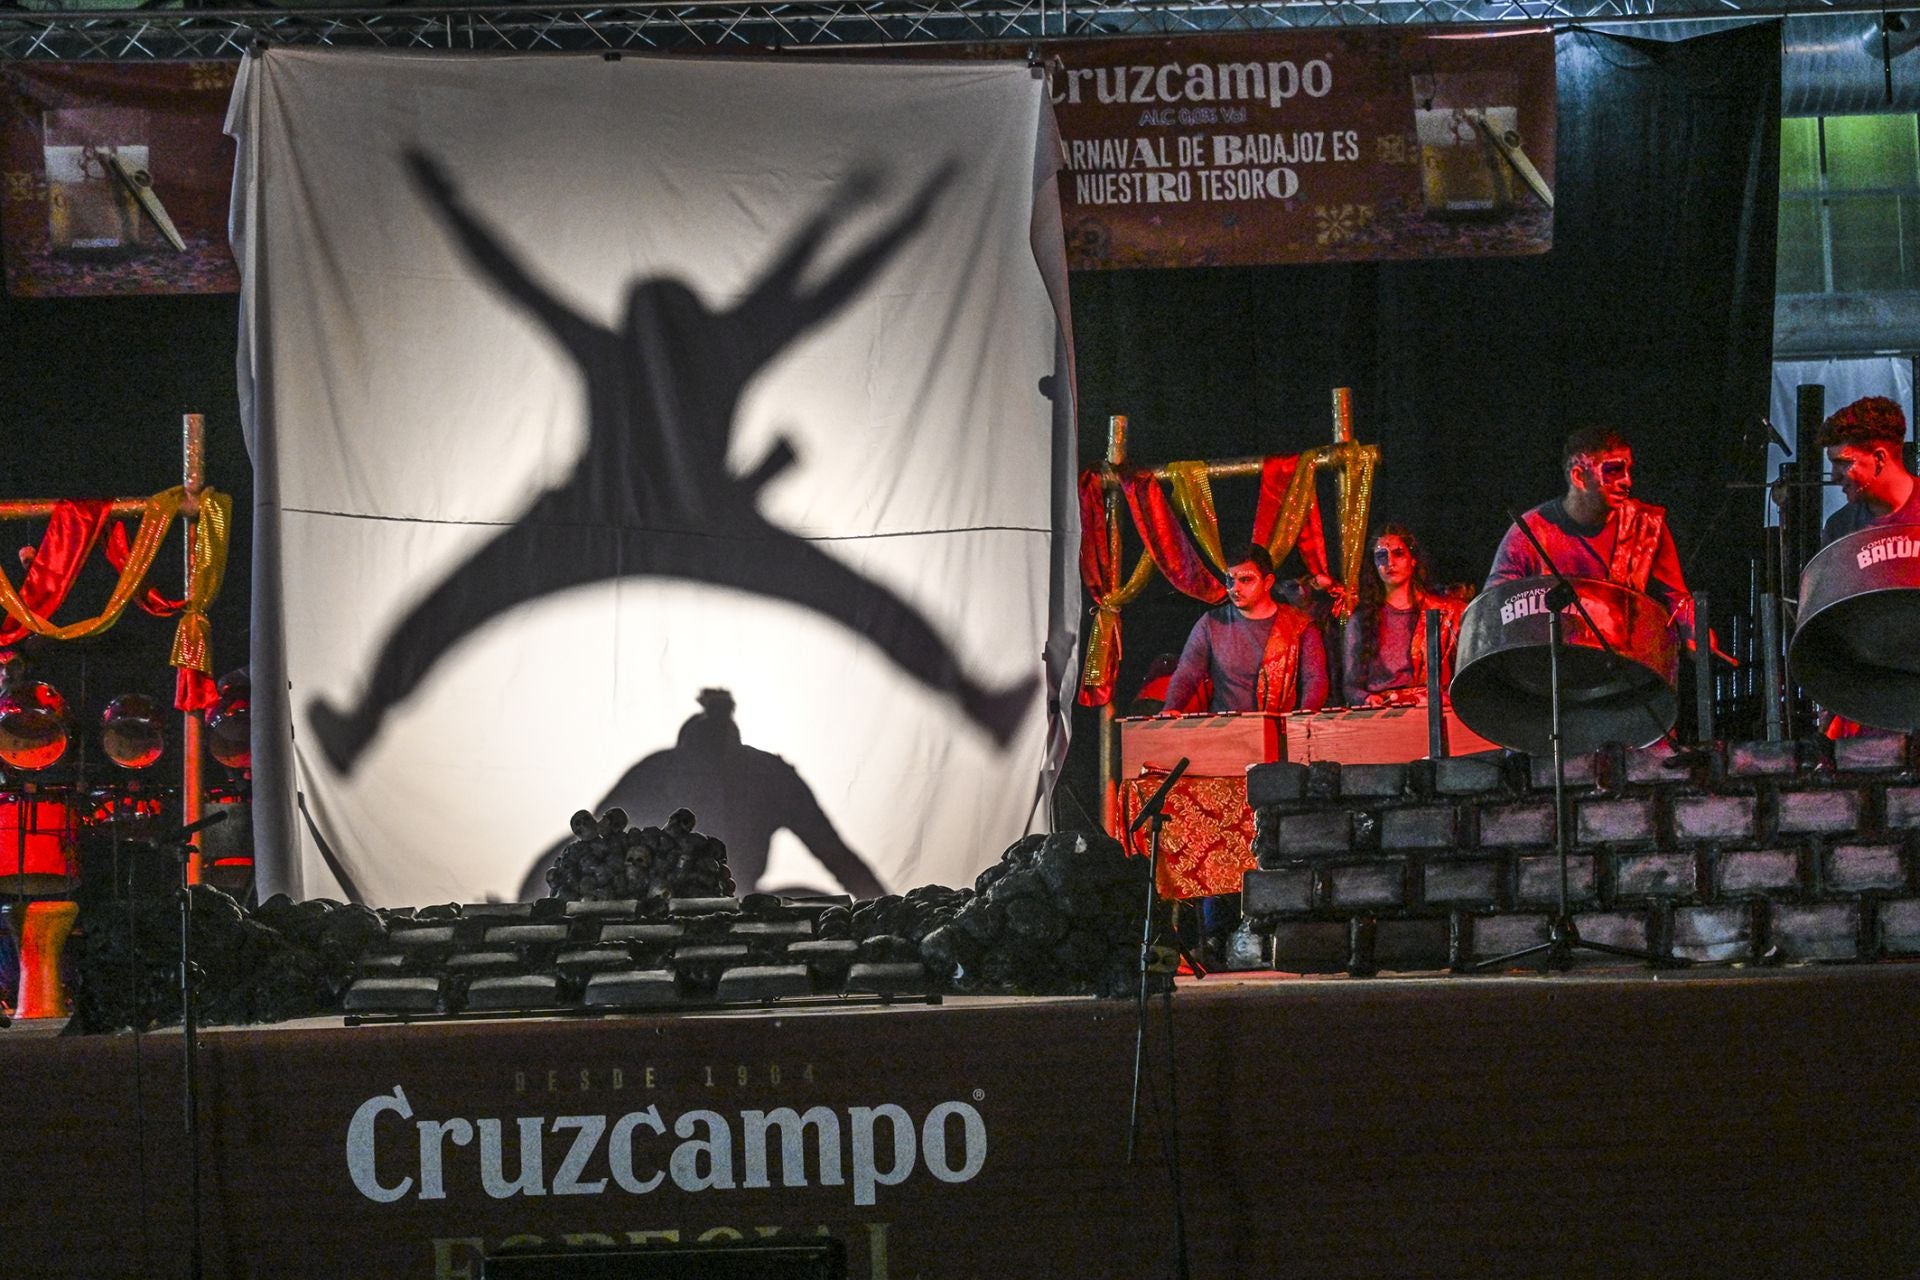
{"x":1385,"y":645}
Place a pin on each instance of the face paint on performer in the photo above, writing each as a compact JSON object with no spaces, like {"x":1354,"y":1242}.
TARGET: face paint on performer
{"x":1608,"y":474}
{"x":1857,"y":468}
{"x":1392,"y":560}
{"x":1250,"y":590}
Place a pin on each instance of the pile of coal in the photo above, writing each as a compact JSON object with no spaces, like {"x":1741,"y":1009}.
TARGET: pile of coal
{"x":890,"y":929}
{"x":1057,"y":915}
{"x":607,"y":859}
{"x":286,"y":960}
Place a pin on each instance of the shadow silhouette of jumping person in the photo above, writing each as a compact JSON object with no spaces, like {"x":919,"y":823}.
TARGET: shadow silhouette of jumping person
{"x":652,"y":494}
{"x":741,"y":795}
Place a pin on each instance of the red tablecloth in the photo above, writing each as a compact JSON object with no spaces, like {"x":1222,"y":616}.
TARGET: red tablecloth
{"x":1207,"y":843}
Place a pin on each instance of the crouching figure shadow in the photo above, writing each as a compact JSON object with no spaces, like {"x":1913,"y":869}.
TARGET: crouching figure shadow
{"x":740,"y":795}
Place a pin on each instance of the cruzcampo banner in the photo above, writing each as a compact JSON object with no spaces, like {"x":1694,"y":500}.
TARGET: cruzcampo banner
{"x":1305,"y":146}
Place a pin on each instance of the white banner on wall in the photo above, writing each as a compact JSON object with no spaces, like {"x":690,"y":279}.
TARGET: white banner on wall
{"x":662,"y":432}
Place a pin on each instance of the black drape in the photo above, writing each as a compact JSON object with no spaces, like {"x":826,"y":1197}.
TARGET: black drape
{"x":1653,"y":312}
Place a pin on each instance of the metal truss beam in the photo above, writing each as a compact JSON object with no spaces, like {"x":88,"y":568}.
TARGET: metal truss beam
{"x":741,"y":26}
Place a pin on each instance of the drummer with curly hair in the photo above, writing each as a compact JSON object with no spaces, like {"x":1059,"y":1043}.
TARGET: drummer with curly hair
{"x":1599,"y":530}
{"x":1864,"y":447}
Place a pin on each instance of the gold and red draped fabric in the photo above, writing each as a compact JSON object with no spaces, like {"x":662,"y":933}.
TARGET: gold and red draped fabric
{"x":73,"y":531}
{"x":1206,"y":846}
{"x":1180,"y":530}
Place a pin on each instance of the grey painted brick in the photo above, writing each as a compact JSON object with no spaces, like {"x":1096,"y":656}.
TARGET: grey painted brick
{"x":1500,"y":935}
{"x":1870,"y":753}
{"x":1275,"y":891}
{"x":1863,"y":868}
{"x":1763,"y":759}
{"x":1323,"y":780}
{"x":1656,"y":875}
{"x":1746,"y":872}
{"x":1714,"y":817}
{"x":1655,"y":764}
{"x":1325,"y":831}
{"x":1614,"y":929}
{"x":1310,"y":946}
{"x":1469,"y":775}
{"x":1582,"y":770}
{"x":1717,"y":935}
{"x":1538,"y":883}
{"x":1428,"y":827}
{"x":1279,"y":783}
{"x":1816,"y":930}
{"x":1818,"y":812}
{"x":1900,"y":926}
{"x":1472,"y":882}
{"x":1903,"y":806}
{"x":1403,"y":945}
{"x":1381,"y":883}
{"x":1514,"y":824}
{"x":1373,"y":781}
{"x":1615,"y":821}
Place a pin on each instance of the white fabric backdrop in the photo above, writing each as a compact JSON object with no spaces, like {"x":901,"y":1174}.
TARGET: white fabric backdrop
{"x":403,"y":411}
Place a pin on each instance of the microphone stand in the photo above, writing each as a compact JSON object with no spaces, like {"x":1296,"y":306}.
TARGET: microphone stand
{"x":1563,"y":936}
{"x":1153,"y":814}
{"x":181,"y":842}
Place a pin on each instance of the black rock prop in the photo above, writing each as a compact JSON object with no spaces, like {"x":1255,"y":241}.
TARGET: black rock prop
{"x":1057,"y":915}
{"x":287,"y":960}
{"x":609,"y":859}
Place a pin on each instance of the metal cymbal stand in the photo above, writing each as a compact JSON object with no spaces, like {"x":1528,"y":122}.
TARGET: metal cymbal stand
{"x":1563,"y":936}
{"x":1154,"y":813}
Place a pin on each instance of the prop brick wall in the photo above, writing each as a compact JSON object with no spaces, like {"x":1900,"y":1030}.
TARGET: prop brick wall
{"x":1743,"y":853}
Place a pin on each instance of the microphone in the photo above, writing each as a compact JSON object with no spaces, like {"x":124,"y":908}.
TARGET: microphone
{"x":193,"y":828}
{"x":1159,"y":798}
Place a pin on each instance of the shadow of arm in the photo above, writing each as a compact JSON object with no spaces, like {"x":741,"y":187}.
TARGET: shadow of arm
{"x":491,"y":255}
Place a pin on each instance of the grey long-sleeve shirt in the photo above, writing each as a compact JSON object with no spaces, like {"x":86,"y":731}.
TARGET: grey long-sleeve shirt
{"x":1226,"y":646}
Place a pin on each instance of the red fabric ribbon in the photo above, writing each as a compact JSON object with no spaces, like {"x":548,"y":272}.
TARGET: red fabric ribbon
{"x":1160,"y":528}
{"x":71,"y":533}
{"x":1276,"y":477}
{"x":1097,"y":568}
{"x":118,"y":551}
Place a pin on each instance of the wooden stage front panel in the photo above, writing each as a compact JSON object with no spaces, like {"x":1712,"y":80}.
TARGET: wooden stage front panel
{"x":1712,"y":1125}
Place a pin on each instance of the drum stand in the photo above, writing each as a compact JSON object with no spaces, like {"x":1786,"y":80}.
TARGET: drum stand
{"x":1563,"y":936}
{"x":1154,"y":813}
{"x":182,"y":845}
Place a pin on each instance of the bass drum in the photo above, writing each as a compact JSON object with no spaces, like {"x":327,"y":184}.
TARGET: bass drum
{"x":1502,"y":686}
{"x":1854,"y":650}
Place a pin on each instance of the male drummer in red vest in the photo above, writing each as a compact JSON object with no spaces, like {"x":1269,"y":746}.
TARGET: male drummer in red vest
{"x":1598,"y":530}
{"x":1252,"y":653}
{"x":1863,"y":444}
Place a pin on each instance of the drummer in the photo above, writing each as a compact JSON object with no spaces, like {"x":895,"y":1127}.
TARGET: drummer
{"x":1863,"y":444}
{"x":1598,"y":530}
{"x":1864,"y":447}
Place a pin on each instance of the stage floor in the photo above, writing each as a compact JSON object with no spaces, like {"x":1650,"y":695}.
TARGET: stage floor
{"x":1704,"y":1123}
